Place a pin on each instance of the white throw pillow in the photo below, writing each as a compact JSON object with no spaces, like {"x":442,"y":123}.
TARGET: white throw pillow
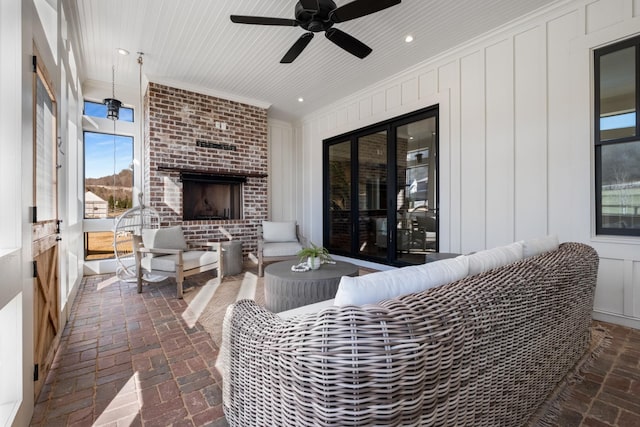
{"x":164,"y":238}
{"x":383,"y":285}
{"x":540,"y":245}
{"x":279,"y":231}
{"x":493,"y":258}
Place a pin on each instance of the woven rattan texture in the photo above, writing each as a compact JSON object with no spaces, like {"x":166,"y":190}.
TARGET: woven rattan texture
{"x":483,"y":351}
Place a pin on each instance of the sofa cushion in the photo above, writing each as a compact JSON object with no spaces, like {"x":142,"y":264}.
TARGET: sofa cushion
{"x":493,"y":258}
{"x":284,"y":231}
{"x":190,"y":260}
{"x":375,"y":287}
{"x":164,"y":238}
{"x":281,"y":248}
{"x":539,"y":245}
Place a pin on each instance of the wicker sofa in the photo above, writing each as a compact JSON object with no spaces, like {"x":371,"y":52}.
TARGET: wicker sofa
{"x":485,"y":350}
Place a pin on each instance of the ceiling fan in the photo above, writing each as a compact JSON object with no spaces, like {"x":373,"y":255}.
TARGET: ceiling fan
{"x":320,"y":15}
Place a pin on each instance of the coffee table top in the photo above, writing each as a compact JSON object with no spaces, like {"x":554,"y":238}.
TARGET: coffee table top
{"x":282,"y":270}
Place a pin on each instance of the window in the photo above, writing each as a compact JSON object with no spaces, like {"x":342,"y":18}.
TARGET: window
{"x":97,"y":109}
{"x":108,"y":186}
{"x":617,"y":142}
{"x":381,"y":175}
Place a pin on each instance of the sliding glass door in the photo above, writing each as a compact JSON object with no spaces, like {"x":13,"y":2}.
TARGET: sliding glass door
{"x":416,"y":213}
{"x":380,"y":191}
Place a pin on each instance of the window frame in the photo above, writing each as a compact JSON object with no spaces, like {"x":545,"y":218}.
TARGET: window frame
{"x":600,"y":230}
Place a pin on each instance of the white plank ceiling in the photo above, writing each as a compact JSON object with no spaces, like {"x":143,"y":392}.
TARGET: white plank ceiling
{"x":193,"y":42}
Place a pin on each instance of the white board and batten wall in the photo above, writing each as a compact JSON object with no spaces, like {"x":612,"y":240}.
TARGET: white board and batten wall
{"x":516,"y":140}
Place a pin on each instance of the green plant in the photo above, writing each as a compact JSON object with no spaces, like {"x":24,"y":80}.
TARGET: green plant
{"x":315,"y":251}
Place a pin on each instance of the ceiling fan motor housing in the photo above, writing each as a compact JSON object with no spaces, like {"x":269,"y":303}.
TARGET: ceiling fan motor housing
{"x":315,"y":21}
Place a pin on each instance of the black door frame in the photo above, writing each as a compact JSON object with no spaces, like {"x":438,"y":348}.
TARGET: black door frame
{"x":390,"y":126}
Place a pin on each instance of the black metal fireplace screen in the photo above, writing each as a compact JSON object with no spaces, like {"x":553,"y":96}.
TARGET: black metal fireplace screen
{"x":211,"y":197}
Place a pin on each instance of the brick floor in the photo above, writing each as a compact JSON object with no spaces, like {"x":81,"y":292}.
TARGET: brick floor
{"x":609,"y":395}
{"x":130,"y":359}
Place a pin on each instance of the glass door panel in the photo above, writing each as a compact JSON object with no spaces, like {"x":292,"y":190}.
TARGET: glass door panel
{"x":372,"y":195}
{"x":340,"y":196}
{"x":416,"y":216}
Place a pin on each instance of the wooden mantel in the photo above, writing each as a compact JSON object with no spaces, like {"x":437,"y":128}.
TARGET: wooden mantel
{"x":212,"y":172}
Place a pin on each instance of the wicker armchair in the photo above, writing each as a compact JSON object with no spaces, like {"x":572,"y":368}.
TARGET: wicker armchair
{"x":483,"y":351}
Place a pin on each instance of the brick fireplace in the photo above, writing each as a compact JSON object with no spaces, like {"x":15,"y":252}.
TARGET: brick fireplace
{"x":191,"y":137}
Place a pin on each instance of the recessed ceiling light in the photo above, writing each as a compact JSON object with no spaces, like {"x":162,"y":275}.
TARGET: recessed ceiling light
{"x":408,"y":38}
{"x":123,"y":52}
{"x":301,"y":99}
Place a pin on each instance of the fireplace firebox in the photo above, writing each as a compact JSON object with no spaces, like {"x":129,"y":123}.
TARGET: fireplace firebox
{"x":211,"y":197}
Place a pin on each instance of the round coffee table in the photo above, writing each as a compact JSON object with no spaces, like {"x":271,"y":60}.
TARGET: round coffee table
{"x":285,"y":289}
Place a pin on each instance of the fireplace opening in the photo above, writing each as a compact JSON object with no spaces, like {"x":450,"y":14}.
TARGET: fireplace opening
{"x":210,"y":197}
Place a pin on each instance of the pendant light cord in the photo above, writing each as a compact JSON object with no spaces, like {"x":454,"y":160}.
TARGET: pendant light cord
{"x":113,"y":96}
{"x":142,"y":136}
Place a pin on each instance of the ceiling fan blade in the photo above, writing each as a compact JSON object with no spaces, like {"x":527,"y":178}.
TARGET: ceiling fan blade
{"x":310,"y":5}
{"x":348,"y":43}
{"x":261,"y":20}
{"x":358,"y":8}
{"x":297,"y":48}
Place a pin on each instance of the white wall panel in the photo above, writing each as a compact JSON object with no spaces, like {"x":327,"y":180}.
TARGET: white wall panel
{"x":444,"y":183}
{"x":628,"y":288}
{"x":428,"y":83}
{"x":353,"y":112}
{"x":323,"y":124}
{"x":530,"y":156}
{"x":449,"y":81}
{"x":610,"y":290}
{"x":500,"y":144}
{"x":636,"y":8}
{"x":472,"y":151}
{"x":342,"y":117}
{"x":635,"y":288}
{"x":394,"y":97}
{"x":562,"y":181}
{"x":365,"y":108}
{"x":379,"y":102}
{"x":604,"y":13}
{"x":332,"y":121}
{"x":282,"y":171}
{"x":410,"y":92}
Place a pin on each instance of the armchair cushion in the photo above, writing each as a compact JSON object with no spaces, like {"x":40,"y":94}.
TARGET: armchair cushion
{"x":279,"y":231}
{"x":164,"y":238}
{"x":277,"y":249}
{"x":190,"y":260}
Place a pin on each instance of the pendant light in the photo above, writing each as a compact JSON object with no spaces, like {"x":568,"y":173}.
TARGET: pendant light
{"x":113,"y":105}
